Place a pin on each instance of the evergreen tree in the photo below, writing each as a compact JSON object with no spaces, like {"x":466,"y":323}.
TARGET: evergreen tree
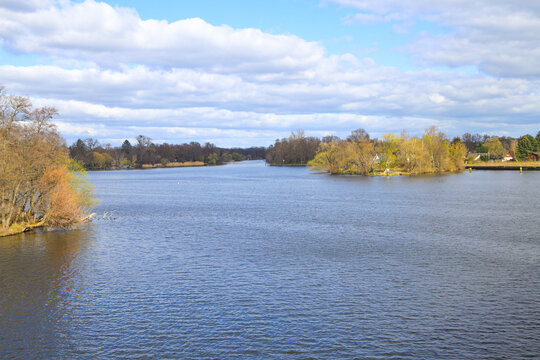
{"x":526,"y":145}
{"x":126,"y":147}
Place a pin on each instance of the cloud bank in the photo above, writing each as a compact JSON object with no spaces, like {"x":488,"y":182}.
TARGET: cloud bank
{"x":113,"y":75}
{"x":499,"y":37}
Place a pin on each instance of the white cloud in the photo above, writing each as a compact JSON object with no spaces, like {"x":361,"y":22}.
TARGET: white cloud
{"x":437,"y":98}
{"x":97,"y":32}
{"x":337,"y":96}
{"x":499,"y":37}
{"x":116,"y":76}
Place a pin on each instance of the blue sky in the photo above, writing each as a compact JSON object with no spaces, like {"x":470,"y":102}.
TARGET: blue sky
{"x":310,"y":19}
{"x":243,"y":73}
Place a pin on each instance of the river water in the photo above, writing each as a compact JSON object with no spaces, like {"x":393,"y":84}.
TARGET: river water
{"x":249,"y":261}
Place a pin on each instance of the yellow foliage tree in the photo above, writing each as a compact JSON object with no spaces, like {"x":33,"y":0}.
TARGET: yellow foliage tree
{"x":329,"y":158}
{"x":495,"y":148}
{"x":432,"y":153}
{"x":436,"y":145}
{"x":457,"y":152}
{"x":38,"y":187}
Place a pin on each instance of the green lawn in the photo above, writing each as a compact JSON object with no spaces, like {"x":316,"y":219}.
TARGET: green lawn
{"x":505,"y":164}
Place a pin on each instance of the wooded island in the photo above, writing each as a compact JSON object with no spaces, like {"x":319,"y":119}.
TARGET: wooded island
{"x":404,"y":154}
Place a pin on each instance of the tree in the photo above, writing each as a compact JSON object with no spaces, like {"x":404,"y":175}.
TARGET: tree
{"x":472,"y":141}
{"x":330,"y":139}
{"x":494,"y":148}
{"x":212,"y":159}
{"x":388,"y":149}
{"x":237,"y":156}
{"x":13,"y":109}
{"x":363,"y":156}
{"x":126,"y":147}
{"x":39,"y":185}
{"x":144,"y":143}
{"x":78,"y":150}
{"x":482,"y":149}
{"x":297,"y":149}
{"x":358,"y":135}
{"x":526,"y":145}
{"x":101,"y":160}
{"x":506,"y":142}
{"x":91,"y":144}
{"x":437,"y":146}
{"x":327,"y":159}
{"x":412,"y":155}
{"x":457,"y":152}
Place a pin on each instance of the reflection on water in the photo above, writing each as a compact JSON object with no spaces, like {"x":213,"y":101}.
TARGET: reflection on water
{"x":248,"y":261}
{"x":40,"y":278}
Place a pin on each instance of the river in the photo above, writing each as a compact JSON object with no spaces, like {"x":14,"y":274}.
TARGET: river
{"x":250,"y":261}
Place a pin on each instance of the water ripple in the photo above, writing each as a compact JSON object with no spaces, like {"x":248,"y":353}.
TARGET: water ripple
{"x":247,"y":261}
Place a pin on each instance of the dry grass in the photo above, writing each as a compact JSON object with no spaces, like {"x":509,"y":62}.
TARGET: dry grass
{"x":14,"y":229}
{"x":506,"y":164}
{"x":5,"y":232}
{"x":185,"y":164}
{"x":392,"y":172}
{"x":174,"y":164}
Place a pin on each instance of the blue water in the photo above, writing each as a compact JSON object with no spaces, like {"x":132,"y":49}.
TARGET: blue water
{"x":248,"y":261}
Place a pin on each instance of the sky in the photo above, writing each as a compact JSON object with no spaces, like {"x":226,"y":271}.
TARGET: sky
{"x":244,"y":73}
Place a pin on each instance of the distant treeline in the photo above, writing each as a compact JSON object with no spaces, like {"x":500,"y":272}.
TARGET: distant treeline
{"x":145,"y":153}
{"x":299,"y":149}
{"x":433,"y":152}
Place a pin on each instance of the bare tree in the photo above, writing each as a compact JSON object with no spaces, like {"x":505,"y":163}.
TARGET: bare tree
{"x":358,"y":135}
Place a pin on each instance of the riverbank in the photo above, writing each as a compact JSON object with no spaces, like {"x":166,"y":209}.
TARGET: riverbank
{"x":20,"y":228}
{"x":390,"y":172}
{"x":174,"y":165}
{"x":157,"y":166}
{"x":287,"y":165}
{"x":510,"y":165}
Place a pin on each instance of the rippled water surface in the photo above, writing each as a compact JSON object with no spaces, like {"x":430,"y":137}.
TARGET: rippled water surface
{"x":247,"y":261}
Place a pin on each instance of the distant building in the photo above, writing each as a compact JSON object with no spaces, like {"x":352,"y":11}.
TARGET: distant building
{"x":508,"y":157}
{"x":534,"y":156}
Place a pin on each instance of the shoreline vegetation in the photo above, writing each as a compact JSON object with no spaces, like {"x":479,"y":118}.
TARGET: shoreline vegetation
{"x":175,"y":164}
{"x":432,"y":153}
{"x":157,"y":166}
{"x":43,"y":182}
{"x":40,"y":186}
{"x":507,"y":165}
{"x":145,"y":154}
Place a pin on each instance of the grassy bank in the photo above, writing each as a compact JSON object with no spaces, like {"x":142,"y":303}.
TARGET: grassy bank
{"x":22,"y":227}
{"x":507,"y":165}
{"x":174,"y":164}
{"x":19,"y":228}
{"x":288,"y":165}
{"x":10,"y":232}
{"x":391,"y":172}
